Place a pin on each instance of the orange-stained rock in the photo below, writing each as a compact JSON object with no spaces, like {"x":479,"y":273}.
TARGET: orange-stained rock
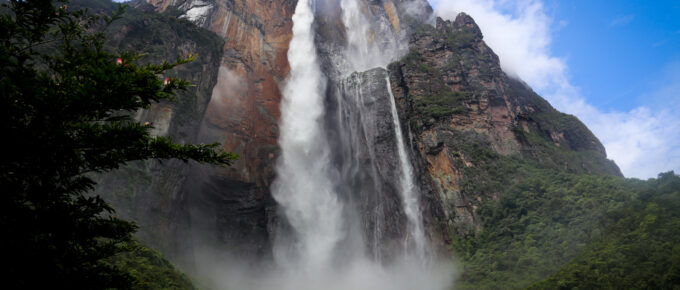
{"x":245,"y":103}
{"x":392,"y":15}
{"x":232,"y":203}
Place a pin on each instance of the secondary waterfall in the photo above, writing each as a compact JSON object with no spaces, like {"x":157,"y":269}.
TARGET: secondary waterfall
{"x":408,"y":189}
{"x":363,"y":53}
{"x":368,"y":46}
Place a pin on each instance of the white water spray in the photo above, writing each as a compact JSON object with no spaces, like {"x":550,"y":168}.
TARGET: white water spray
{"x":328,"y":242}
{"x":368,"y":46}
{"x":302,"y":186}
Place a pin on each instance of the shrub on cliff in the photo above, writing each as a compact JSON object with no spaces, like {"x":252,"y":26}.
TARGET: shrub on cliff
{"x":66,"y":104}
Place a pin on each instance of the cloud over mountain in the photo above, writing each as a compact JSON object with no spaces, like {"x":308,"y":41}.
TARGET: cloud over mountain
{"x":643,"y":141}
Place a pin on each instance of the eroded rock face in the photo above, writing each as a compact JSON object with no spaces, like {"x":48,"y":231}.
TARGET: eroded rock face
{"x":458,"y":102}
{"x":230,"y":207}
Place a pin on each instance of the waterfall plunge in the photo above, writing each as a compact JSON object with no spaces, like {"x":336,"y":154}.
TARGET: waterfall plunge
{"x":302,"y":187}
{"x":322,"y":252}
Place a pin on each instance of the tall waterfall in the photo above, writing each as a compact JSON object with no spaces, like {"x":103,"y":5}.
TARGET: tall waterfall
{"x":331,"y":193}
{"x":303,"y":187}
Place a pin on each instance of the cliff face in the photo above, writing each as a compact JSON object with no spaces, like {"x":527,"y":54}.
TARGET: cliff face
{"x":365,"y":149}
{"x":463,"y":111}
{"x":232,"y":206}
{"x":150,"y":192}
{"x":462,"y":116}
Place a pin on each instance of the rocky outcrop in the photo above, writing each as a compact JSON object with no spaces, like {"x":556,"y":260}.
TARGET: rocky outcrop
{"x":366,"y":154}
{"x":232,"y":207}
{"x":462,"y":109}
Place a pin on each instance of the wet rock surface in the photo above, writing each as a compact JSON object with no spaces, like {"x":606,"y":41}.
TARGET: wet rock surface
{"x":364,"y":143}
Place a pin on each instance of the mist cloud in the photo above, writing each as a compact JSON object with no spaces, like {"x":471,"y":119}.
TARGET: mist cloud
{"x":643,"y":141}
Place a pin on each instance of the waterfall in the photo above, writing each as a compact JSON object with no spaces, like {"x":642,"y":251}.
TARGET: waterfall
{"x":302,"y":186}
{"x":368,"y":46}
{"x":359,"y":55}
{"x":363,"y":53}
{"x":318,"y":181}
{"x":408,"y":189}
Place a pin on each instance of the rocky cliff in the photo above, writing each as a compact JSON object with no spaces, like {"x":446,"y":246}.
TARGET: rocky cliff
{"x":151,"y":192}
{"x":463,"y":111}
{"x":466,"y":122}
{"x":235,"y":101}
{"x":232,"y":206}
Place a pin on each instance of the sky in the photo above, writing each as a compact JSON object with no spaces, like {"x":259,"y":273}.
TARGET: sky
{"x":613,"y":64}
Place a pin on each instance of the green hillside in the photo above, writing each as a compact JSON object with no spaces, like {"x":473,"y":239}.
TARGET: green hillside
{"x":639,"y":246}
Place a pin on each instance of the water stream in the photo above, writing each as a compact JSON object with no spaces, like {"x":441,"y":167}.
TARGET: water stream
{"x":302,"y":187}
{"x":408,"y":189}
{"x":348,"y":199}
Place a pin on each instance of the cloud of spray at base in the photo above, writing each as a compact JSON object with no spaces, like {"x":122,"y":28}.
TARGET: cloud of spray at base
{"x":362,"y":274}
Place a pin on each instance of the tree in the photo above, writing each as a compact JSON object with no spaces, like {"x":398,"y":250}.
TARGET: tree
{"x":66,"y":106}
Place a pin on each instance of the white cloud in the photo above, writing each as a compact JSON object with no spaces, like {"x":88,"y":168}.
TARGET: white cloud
{"x":643,"y":141}
{"x":521,"y":40}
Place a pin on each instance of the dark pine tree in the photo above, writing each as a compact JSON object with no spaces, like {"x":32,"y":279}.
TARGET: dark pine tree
{"x":66,"y":106}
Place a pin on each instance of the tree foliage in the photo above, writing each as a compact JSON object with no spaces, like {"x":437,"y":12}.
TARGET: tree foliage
{"x":576,"y":231}
{"x":66,"y":113}
{"x":537,"y":225}
{"x":149,"y":270}
{"x":639,"y":247}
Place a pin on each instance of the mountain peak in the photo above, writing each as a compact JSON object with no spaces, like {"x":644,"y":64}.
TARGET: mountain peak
{"x":463,"y":22}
